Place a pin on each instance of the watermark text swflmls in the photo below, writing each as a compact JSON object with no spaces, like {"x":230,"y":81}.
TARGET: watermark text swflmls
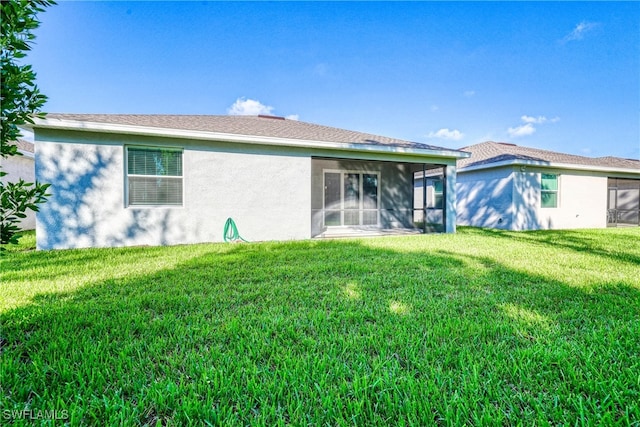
{"x":35,"y":414}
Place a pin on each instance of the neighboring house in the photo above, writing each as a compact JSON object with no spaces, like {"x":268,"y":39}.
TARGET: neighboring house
{"x":120,"y":180}
{"x":21,"y":167}
{"x":519,"y":188}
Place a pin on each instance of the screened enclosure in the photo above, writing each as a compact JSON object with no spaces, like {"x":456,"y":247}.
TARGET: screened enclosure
{"x":376,"y":195}
{"x":429,"y":199}
{"x":623,"y":202}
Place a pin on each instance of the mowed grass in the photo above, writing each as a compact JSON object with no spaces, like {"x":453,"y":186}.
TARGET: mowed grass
{"x":479,"y":328}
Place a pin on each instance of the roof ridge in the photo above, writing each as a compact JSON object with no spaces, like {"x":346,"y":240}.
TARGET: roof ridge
{"x":558,"y":152}
{"x":617,"y":158}
{"x":501,"y":147}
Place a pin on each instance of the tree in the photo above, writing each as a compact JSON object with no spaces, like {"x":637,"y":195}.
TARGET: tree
{"x":20,"y":100}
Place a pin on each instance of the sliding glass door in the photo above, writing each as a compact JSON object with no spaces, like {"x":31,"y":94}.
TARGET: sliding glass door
{"x":351,"y":198}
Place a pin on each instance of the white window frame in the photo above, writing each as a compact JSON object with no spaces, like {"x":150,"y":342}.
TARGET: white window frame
{"x":557,"y":191}
{"x":431,"y":201}
{"x":127,"y":175}
{"x":361,"y":209}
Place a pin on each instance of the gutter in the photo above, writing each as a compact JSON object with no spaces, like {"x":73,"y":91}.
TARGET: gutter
{"x":550,"y":165}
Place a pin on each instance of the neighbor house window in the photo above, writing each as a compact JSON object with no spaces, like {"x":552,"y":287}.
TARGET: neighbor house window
{"x":436,"y":200}
{"x":154,"y":177}
{"x":549,"y":190}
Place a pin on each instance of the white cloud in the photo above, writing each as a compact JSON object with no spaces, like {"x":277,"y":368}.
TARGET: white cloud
{"x":444,"y":133}
{"x":579,"y":31}
{"x":528,"y":127}
{"x":522,"y":130}
{"x":530,"y":119}
{"x":539,"y":120}
{"x":434,"y":108}
{"x":252,"y":107}
{"x":248,"y":107}
{"x":469,"y":93}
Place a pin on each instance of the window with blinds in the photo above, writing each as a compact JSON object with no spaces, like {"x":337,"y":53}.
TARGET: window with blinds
{"x":154,"y":177}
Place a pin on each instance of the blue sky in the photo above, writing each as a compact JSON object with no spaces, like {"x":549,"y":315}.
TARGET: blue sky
{"x":559,"y":76}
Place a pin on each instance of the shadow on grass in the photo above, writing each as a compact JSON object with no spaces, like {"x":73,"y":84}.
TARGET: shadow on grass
{"x":619,"y":242}
{"x":56,"y":263}
{"x":326,"y":333}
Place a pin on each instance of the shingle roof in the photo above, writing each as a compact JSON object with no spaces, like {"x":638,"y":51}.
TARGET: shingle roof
{"x":267,"y":126}
{"x":25,"y":146}
{"x":620,"y":162}
{"x":487,"y":153}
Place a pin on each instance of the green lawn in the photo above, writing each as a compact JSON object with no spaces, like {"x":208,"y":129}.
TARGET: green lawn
{"x":479,"y":328}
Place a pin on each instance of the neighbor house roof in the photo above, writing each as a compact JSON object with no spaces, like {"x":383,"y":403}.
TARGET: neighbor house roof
{"x":25,"y":146}
{"x":264,"y":128}
{"x":494,"y":154}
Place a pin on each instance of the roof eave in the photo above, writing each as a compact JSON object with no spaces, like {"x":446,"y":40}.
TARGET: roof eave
{"x":62,"y":124}
{"x":544,"y":164}
{"x":27,"y":154}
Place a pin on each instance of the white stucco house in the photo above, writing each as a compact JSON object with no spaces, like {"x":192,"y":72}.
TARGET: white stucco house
{"x":512,"y":187}
{"x":21,"y":167}
{"x":120,"y":180}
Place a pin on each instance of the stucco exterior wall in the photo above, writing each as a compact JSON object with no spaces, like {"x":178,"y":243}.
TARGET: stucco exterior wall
{"x":582,"y":202}
{"x":18,"y":167}
{"x":266,"y":193}
{"x":509,"y":198}
{"x":525,"y":206}
{"x":485,"y":198}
